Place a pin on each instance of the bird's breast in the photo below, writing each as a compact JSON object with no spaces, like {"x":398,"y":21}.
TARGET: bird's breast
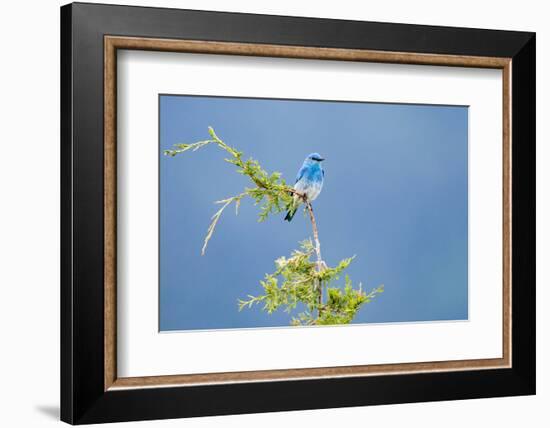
{"x":310,"y":188}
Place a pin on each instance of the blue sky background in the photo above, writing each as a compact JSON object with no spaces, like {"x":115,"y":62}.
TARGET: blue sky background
{"x":395,"y":195}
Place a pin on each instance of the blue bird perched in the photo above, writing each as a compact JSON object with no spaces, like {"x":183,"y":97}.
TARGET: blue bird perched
{"x":309,"y":182}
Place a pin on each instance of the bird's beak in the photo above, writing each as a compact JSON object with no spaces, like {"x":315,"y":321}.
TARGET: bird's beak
{"x":321,"y":159}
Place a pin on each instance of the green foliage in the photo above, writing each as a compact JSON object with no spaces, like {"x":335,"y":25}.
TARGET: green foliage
{"x":298,"y":275}
{"x":341,"y":306}
{"x":269,"y":191}
{"x":297,"y":280}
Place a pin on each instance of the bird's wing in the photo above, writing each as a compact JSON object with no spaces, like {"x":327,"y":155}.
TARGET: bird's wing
{"x":301,"y":173}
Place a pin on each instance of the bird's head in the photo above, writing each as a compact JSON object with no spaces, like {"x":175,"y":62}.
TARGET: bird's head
{"x":314,"y":158}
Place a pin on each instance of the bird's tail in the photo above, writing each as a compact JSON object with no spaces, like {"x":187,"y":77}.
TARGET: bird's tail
{"x":290,"y":213}
{"x":293,"y":207}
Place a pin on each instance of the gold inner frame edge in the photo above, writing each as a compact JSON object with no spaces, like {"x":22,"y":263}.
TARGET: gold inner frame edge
{"x":113,"y":43}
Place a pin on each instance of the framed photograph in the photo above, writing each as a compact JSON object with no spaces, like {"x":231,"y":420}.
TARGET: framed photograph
{"x":265,"y":213}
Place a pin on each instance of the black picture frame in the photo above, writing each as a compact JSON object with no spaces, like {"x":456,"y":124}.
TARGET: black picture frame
{"x":83,"y":397}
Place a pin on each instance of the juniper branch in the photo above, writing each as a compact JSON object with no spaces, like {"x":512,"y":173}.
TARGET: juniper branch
{"x":270,"y":191}
{"x":294,"y":281}
{"x":226,"y":202}
{"x":298,"y":279}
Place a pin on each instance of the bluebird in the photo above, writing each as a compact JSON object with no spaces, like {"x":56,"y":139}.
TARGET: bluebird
{"x":309,"y":182}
